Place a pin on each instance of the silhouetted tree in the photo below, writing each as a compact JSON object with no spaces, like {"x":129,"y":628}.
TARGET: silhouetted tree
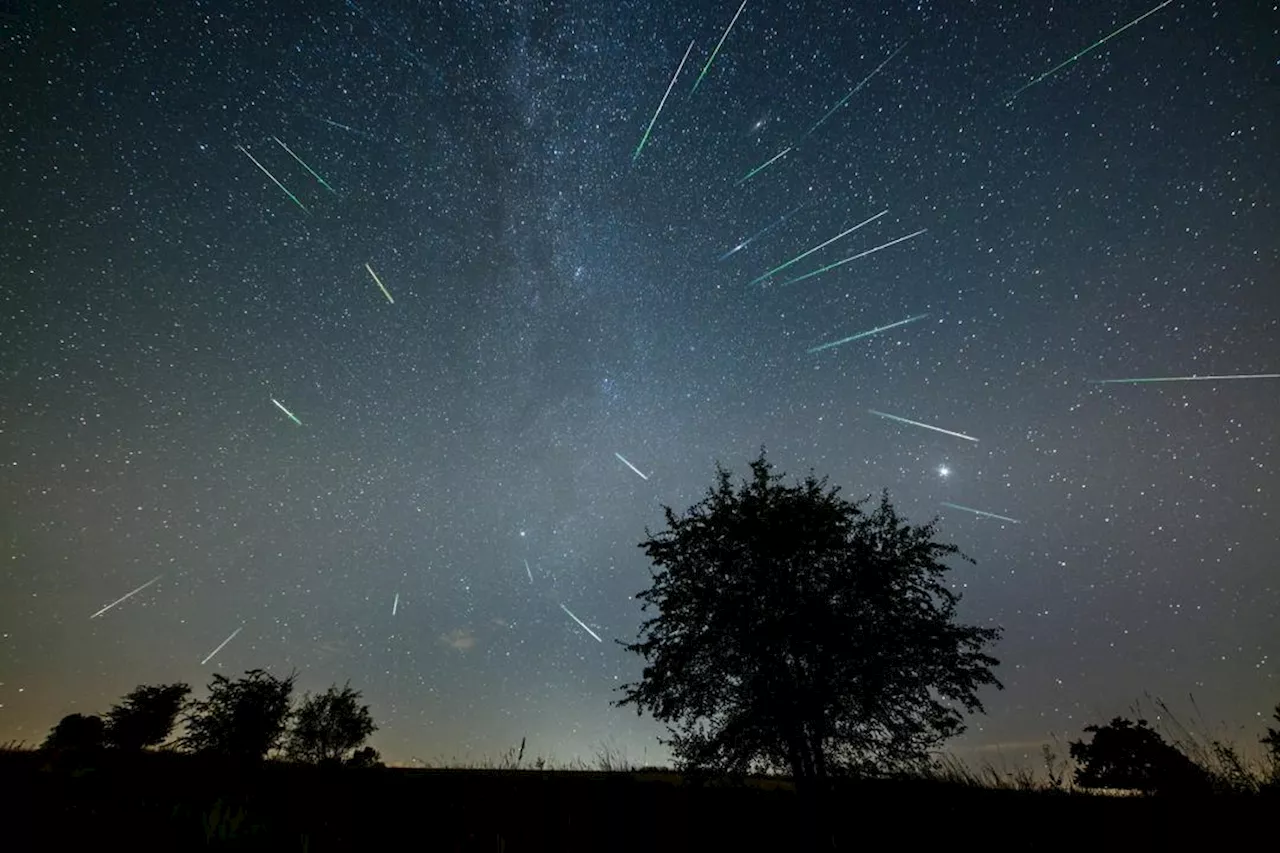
{"x":76,"y":733}
{"x":796,"y":631}
{"x":328,"y":727}
{"x":242,"y":719}
{"x":146,"y":716}
{"x":365,"y":757}
{"x":1271,"y":740}
{"x":1134,"y":757}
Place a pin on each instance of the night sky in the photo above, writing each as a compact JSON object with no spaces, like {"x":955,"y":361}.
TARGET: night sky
{"x":560,"y":298}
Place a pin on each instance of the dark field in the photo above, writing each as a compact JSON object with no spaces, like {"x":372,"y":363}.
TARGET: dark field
{"x":173,"y":802}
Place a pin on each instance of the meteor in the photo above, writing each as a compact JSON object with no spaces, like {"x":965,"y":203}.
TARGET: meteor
{"x":982,"y":513}
{"x":760,"y":234}
{"x":624,"y":461}
{"x":380,"y":284}
{"x":829,"y":267}
{"x":1055,"y":69}
{"x":804,"y":255}
{"x":661,"y":104}
{"x":305,"y":166}
{"x":291,"y":415}
{"x":580,"y":622}
{"x":868,"y":333}
{"x":925,"y":426}
{"x":715,"y":52}
{"x":854,"y":90}
{"x":273,"y":179}
{"x":221,"y":645}
{"x":125,"y":597}
{"x":762,"y":166}
{"x":395,"y":604}
{"x":528,"y":570}
{"x":1191,"y":378}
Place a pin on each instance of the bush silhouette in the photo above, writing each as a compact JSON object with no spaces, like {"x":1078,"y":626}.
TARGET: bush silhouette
{"x":327,"y":728}
{"x":794,"y":630}
{"x":146,"y":716}
{"x":1271,"y":742}
{"x":76,"y":733}
{"x":242,"y":719}
{"x":1134,"y":757}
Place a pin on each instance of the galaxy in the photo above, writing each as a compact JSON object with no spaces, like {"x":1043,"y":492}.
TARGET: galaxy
{"x":367,"y":339}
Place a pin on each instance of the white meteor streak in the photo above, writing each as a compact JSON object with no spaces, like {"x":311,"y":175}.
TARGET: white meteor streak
{"x":291,"y":415}
{"x":624,"y":461}
{"x":222,"y":645}
{"x":1192,"y":378}
{"x":662,"y":103}
{"x":804,"y":255}
{"x":380,"y":284}
{"x":925,"y":426}
{"x":982,"y":513}
{"x":528,"y":570}
{"x":877,"y":330}
{"x":716,"y":52}
{"x":872,"y":251}
{"x":395,"y":604}
{"x":125,"y":597}
{"x":580,"y":622}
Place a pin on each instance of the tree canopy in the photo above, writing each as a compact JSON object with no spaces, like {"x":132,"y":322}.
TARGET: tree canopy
{"x":329,"y":727}
{"x":796,"y":630}
{"x":75,"y":733}
{"x":145,"y":716}
{"x":242,"y":719}
{"x":1134,"y":757}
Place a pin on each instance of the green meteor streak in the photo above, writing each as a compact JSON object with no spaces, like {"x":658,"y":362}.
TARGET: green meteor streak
{"x":662,"y":103}
{"x":305,"y":166}
{"x":829,"y":267}
{"x":290,"y":414}
{"x":804,"y":255}
{"x":1087,"y":50}
{"x":715,"y":52}
{"x":877,"y":330}
{"x":762,"y":166}
{"x":853,"y":91}
{"x":1192,"y":378}
{"x":274,"y":181}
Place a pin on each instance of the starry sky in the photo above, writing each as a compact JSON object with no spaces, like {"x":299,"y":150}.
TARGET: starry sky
{"x":563,"y":302}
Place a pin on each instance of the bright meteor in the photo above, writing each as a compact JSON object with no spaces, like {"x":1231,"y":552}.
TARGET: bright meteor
{"x":881,"y":247}
{"x":715,"y":52}
{"x":1192,"y":378}
{"x":924,"y":426}
{"x":624,"y":461}
{"x":982,"y":513}
{"x":877,"y":330}
{"x":853,"y":91}
{"x":580,"y":622}
{"x":304,"y":165}
{"x":761,"y":232}
{"x":221,"y":645}
{"x":291,"y":415}
{"x":804,"y":255}
{"x":273,"y":179}
{"x":661,"y":104}
{"x":766,"y":164}
{"x":125,"y":597}
{"x":1055,"y":69}
{"x":381,"y":286}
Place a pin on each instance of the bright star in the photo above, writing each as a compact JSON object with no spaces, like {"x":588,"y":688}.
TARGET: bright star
{"x":944,"y":471}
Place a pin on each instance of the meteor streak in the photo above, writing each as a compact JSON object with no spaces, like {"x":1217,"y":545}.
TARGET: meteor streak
{"x":580,"y":622}
{"x":629,"y":465}
{"x":125,"y":597}
{"x":395,"y":604}
{"x":1087,"y":50}
{"x":982,"y":513}
{"x":273,"y":179}
{"x":661,"y":104}
{"x":760,"y":234}
{"x":762,"y":166}
{"x":868,"y":333}
{"x":821,"y":270}
{"x":221,"y":645}
{"x":292,"y":417}
{"x":528,"y":570}
{"x":718,"y":46}
{"x":305,"y":166}
{"x":804,"y":255}
{"x":925,"y":426}
{"x":380,"y":284}
{"x":854,"y":91}
{"x":1191,"y":378}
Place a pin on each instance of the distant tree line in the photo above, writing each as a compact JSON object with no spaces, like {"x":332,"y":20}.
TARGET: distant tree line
{"x":245,"y":719}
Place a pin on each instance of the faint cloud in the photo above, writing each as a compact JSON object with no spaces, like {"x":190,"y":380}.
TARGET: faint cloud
{"x":460,"y":639}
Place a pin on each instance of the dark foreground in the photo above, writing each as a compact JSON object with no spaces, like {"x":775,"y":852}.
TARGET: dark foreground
{"x":174,"y":802}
